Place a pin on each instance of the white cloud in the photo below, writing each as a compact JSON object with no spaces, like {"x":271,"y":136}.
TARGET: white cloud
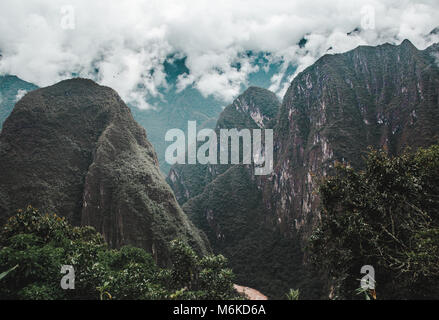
{"x":123,"y":44}
{"x":20,"y":94}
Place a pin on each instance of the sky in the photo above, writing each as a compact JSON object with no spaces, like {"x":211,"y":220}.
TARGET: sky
{"x":123,"y":44}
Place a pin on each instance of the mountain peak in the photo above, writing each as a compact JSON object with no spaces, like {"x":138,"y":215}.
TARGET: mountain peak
{"x":434,"y":31}
{"x":407,"y":44}
{"x":74,"y":149}
{"x":254,"y":108}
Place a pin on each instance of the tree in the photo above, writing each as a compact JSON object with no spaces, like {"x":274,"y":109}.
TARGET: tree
{"x":387,"y":216}
{"x":41,"y":243}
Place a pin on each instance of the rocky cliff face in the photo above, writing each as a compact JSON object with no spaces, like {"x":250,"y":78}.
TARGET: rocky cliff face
{"x":256,"y":108}
{"x":225,"y":201}
{"x":385,"y":96}
{"x":75,"y":149}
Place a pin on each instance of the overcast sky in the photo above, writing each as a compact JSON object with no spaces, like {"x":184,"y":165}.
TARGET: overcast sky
{"x":44,"y":41}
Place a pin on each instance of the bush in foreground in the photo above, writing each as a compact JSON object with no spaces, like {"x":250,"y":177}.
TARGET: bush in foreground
{"x":41,"y":243}
{"x":387,"y":216}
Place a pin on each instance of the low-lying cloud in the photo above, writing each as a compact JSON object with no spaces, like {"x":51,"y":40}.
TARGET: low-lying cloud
{"x":124,"y":44}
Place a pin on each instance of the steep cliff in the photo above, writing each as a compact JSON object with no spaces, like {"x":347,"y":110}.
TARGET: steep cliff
{"x":75,"y":149}
{"x":174,"y":106}
{"x":256,"y":108}
{"x":225,"y":201}
{"x":385,"y":96}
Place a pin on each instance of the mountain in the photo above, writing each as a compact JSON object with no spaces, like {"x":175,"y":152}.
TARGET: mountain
{"x":256,"y":108}
{"x":175,"y":107}
{"x":225,"y":201}
{"x":12,"y":89}
{"x":384,"y":97}
{"x":74,"y":149}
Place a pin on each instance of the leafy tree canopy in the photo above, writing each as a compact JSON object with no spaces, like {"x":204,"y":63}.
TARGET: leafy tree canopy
{"x":41,"y":243}
{"x":386,"y":216}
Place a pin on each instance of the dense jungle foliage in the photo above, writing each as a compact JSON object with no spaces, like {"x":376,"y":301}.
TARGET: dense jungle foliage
{"x":386,"y":216}
{"x":38,"y":244}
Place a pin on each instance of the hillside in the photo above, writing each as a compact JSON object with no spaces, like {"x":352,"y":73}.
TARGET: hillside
{"x":225,"y":201}
{"x":75,"y":149}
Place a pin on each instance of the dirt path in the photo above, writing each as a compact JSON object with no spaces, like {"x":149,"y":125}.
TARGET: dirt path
{"x":251,"y":294}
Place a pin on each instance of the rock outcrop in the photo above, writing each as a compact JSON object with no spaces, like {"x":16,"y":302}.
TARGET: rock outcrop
{"x":384,"y":97}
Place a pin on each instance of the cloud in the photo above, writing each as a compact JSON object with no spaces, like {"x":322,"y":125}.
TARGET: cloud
{"x":20,"y":94}
{"x":124,"y":44}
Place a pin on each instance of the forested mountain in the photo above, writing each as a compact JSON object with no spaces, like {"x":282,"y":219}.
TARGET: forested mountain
{"x":75,"y":149}
{"x":382,"y":97}
{"x":172,"y":107}
{"x":12,"y":89}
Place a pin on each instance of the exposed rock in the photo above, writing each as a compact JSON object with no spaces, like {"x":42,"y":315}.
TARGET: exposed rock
{"x":256,"y":108}
{"x":225,"y":201}
{"x":249,"y":293}
{"x":385,"y":96}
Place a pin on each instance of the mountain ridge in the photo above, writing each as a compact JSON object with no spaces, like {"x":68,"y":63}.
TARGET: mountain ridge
{"x":338,"y":107}
{"x":332,"y":112}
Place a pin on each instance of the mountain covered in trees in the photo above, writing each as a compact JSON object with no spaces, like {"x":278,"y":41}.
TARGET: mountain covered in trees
{"x":331,"y":205}
{"x":384,"y":97}
{"x":225,"y":201}
{"x":74,"y":149}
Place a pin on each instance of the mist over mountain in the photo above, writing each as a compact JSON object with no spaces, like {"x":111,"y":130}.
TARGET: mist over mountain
{"x":173,"y":58}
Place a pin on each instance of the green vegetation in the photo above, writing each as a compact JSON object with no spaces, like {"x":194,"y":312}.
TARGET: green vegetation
{"x":4,"y":274}
{"x":41,"y":243}
{"x":225,"y":201}
{"x":293,"y":294}
{"x":385,"y":216}
{"x":80,"y":153}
